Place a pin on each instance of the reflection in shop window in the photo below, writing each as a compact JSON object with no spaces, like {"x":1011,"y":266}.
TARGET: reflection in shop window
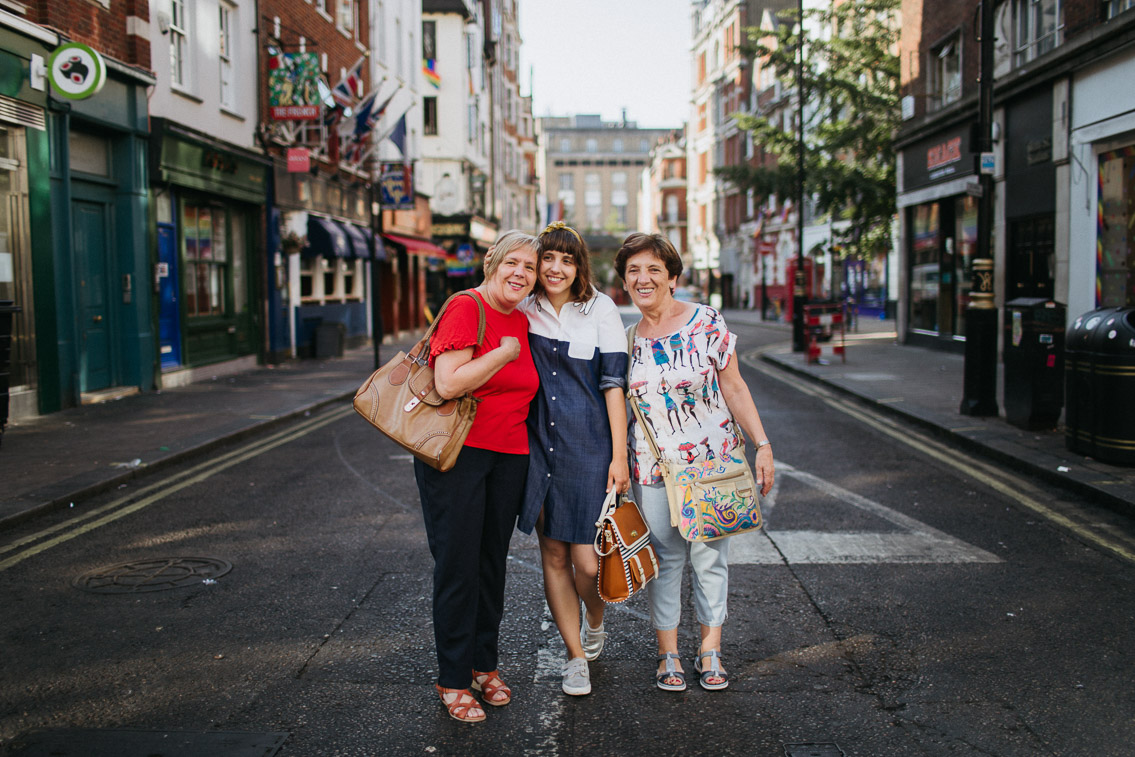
{"x":925,"y":269}
{"x":204,"y":231}
{"x":1114,"y":281}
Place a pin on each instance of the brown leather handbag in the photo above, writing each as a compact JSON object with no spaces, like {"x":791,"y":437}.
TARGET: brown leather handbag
{"x":627,"y":561}
{"x":399,"y":399}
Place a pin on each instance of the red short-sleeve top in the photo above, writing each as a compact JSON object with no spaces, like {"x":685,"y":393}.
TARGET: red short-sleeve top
{"x":501,"y":424}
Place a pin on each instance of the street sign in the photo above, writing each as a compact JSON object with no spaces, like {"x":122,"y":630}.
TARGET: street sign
{"x":989,"y":163}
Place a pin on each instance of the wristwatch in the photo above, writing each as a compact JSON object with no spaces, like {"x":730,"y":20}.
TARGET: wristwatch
{"x":763,"y":443}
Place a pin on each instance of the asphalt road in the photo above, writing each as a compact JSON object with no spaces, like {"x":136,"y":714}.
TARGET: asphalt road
{"x":905,"y":599}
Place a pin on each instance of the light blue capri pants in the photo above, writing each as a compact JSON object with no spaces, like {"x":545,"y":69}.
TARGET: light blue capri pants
{"x":709,"y":560}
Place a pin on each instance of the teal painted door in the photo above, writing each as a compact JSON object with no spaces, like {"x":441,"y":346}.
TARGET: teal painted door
{"x":90,"y":248}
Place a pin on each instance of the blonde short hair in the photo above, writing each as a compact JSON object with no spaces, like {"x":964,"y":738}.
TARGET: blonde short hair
{"x":506,"y":243}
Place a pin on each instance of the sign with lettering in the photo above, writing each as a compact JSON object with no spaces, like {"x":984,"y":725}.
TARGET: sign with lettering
{"x":293,"y":87}
{"x":942,"y":157}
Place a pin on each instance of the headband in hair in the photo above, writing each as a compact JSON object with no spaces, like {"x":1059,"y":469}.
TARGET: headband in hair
{"x":561,"y":225}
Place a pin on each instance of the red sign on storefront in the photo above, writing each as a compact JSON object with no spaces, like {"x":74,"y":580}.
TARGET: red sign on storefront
{"x":299,"y":160}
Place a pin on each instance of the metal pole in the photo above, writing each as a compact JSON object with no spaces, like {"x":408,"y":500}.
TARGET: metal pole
{"x":375,"y":278}
{"x":979,"y":395}
{"x":798,"y":283}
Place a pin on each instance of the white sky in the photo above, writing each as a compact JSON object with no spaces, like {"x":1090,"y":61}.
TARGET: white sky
{"x":600,"y":56}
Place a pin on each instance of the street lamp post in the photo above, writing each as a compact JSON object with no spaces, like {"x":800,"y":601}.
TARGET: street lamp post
{"x":979,"y":395}
{"x":798,"y":283}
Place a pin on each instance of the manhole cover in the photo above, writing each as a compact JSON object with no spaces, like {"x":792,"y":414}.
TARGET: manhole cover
{"x":157,"y":574}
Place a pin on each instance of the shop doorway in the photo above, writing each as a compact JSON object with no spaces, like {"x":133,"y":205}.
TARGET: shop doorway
{"x":1032,"y":257}
{"x":90,"y":223}
{"x":169,"y":314}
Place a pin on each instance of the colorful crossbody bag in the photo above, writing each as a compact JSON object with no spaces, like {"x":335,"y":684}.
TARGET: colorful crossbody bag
{"x":709,"y":499}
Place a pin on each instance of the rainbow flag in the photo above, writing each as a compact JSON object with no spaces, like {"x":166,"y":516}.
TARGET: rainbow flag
{"x":429,"y":68}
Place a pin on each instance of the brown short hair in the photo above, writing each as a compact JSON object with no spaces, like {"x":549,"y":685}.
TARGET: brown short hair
{"x":655,"y":244}
{"x":569,"y":241}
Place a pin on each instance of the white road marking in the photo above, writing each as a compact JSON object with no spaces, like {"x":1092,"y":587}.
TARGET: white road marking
{"x":916,"y":543}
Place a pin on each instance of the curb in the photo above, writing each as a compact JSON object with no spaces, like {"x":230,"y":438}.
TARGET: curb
{"x":1080,"y":488}
{"x":91,"y":490}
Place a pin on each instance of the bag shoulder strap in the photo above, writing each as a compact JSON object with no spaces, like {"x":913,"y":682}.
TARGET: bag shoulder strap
{"x":642,"y":424}
{"x":425,"y":341}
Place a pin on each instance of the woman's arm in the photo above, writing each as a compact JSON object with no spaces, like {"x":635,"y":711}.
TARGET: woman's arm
{"x":744,"y":411}
{"x":457,"y":372}
{"x":618,"y":474}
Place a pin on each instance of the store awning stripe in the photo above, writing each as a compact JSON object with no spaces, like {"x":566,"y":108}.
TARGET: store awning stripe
{"x":417,"y":246}
{"x":326,"y":237}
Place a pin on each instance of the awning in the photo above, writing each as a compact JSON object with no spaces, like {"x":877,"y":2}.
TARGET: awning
{"x":360,"y":240}
{"x":326,"y":237}
{"x":417,"y":246}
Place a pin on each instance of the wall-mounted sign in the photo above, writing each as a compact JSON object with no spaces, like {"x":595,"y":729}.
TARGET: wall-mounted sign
{"x":299,"y":160}
{"x":396,"y":187}
{"x":76,"y":71}
{"x":293,"y":87}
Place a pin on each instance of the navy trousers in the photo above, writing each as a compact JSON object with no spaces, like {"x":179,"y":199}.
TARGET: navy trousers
{"x":470,"y":512}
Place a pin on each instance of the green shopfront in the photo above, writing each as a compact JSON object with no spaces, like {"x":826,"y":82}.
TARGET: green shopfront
{"x":208,"y":205}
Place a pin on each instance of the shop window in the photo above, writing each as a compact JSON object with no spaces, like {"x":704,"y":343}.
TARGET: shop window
{"x":1038,"y":27}
{"x":330,"y":276}
{"x":946,"y":73}
{"x":204,"y":235}
{"x":925,"y":270}
{"x":307,"y":279}
{"x":965,"y":241}
{"x":1115,"y":284}
{"x":89,"y":153}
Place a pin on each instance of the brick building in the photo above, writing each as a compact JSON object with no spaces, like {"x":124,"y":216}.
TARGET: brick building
{"x":73,"y":248}
{"x":1063,"y":136}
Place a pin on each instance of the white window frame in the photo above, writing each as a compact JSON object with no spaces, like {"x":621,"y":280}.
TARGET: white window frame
{"x":226,"y":13}
{"x":946,"y":81}
{"x":1029,"y":42}
{"x":347,"y":17}
{"x":1115,"y":7}
{"x":180,"y":50}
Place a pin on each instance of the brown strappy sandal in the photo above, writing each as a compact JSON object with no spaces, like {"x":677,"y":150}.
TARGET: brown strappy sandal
{"x":460,"y":703}
{"x":491,"y":685}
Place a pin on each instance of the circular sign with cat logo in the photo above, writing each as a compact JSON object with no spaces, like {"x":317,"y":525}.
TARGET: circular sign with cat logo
{"x":76,"y":71}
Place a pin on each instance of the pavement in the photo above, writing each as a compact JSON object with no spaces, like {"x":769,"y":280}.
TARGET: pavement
{"x":53,"y":461}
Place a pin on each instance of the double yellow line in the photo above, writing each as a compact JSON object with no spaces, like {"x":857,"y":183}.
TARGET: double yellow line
{"x":41,"y":541}
{"x":1015,"y":488}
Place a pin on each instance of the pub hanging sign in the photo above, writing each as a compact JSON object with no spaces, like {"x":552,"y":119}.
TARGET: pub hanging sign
{"x":396,"y":186}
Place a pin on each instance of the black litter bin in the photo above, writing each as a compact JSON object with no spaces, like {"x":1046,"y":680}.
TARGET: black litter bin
{"x":8,"y":311}
{"x":1100,"y":383}
{"x":1034,"y":362}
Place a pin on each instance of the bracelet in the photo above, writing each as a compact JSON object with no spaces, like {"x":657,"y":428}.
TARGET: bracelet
{"x":763,"y":443}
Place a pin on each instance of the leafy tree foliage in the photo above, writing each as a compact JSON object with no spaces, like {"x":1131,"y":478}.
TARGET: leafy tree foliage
{"x":850,"y":90}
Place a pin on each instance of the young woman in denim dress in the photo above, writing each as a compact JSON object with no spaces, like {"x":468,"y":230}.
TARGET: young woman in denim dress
{"x":578,"y":431}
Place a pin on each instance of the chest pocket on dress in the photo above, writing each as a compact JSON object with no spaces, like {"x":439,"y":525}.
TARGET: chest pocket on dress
{"x":583,"y":346}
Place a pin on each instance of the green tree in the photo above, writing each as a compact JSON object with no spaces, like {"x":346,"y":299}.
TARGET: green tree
{"x":851,"y":94}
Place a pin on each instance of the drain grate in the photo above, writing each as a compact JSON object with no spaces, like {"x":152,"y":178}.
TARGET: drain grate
{"x":813,"y":750}
{"x":158,"y":574}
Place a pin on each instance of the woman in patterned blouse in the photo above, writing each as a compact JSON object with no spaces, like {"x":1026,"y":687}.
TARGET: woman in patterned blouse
{"x":686,"y":383}
{"x":578,"y":431}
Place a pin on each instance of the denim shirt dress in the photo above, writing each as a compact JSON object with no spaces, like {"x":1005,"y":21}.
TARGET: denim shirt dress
{"x":579,"y":353}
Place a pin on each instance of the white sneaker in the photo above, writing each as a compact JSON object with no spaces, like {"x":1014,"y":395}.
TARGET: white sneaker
{"x":592,"y":639}
{"x":577,"y":678}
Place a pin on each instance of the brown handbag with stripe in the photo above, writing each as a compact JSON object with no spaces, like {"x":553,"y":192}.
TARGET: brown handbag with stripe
{"x":627,"y":561}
